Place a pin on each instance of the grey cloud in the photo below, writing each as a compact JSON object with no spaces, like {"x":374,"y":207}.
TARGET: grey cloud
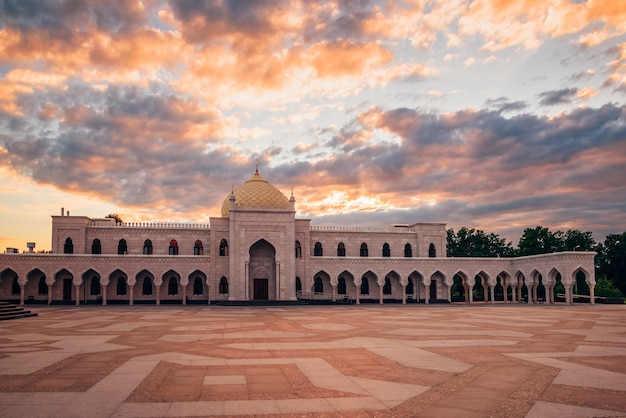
{"x":555,"y":97}
{"x":502,"y":104}
{"x":67,"y":20}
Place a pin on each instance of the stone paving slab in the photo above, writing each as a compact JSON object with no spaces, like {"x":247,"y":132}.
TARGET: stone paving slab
{"x":391,"y":360}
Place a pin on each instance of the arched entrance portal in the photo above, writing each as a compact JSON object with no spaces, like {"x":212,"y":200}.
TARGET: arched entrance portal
{"x":262,"y":271}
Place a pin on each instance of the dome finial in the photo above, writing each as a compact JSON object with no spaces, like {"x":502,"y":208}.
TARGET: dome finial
{"x":257,"y":166}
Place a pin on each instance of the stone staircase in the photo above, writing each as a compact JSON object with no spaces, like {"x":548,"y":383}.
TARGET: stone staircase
{"x":11,"y":311}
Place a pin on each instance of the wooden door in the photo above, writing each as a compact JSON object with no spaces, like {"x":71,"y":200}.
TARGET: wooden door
{"x":261,"y":289}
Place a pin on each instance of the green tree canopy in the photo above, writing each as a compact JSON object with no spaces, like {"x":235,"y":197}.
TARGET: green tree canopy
{"x":115,"y":216}
{"x":540,"y":240}
{"x":576,"y":240}
{"x":611,"y":260}
{"x":470,"y":242}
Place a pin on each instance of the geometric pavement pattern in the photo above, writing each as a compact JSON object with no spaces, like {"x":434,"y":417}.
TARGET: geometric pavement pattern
{"x":367,"y":360}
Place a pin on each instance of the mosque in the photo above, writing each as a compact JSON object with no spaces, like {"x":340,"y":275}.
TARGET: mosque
{"x":257,"y":250}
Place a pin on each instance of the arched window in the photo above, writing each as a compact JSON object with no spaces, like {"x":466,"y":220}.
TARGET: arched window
{"x":363,"y":251}
{"x":318,"y":251}
{"x":172,"y":287}
{"x":224,"y":248}
{"x":147,"y":247}
{"x":198,"y":289}
{"x":95,"y":286}
{"x":68,"y":247}
{"x":408,"y":251}
{"x":197,"y":248}
{"x":173,"y":247}
{"x":15,"y":287}
{"x":96,"y":247}
{"x":298,"y":250}
{"x":43,"y":287}
{"x":122,"y":247}
{"x":146,"y":288}
{"x":341,"y":286}
{"x":341,"y":250}
{"x":386,"y":250}
{"x":298,"y":285}
{"x":223,"y":288}
{"x":121,"y":286}
{"x":387,"y":286}
{"x":365,"y":286}
{"x":432,"y":252}
{"x":318,"y":287}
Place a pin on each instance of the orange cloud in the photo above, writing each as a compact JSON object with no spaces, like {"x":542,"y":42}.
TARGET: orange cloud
{"x":346,"y":58}
{"x":504,"y":23}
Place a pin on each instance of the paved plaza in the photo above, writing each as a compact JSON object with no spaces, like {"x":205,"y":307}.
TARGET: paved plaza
{"x":366,"y":360}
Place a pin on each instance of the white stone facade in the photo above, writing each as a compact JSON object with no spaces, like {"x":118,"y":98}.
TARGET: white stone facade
{"x":258,"y":250}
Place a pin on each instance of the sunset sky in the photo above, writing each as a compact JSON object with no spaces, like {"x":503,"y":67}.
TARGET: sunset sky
{"x":498,"y":115}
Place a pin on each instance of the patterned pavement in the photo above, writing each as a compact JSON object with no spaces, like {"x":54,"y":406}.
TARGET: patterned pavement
{"x":367,"y":360}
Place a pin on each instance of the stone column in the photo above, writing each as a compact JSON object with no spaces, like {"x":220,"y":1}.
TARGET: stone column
{"x":513,"y":295}
{"x":492,"y":293}
{"x":130,"y":290}
{"x":427,"y":294}
{"x":158,"y":295}
{"x":104,"y":294}
{"x":77,"y":295}
{"x":49,"y":294}
{"x":570,"y":295}
{"x":549,"y":294}
{"x":184,"y":295}
{"x":531,"y":294}
{"x":592,"y":295}
{"x":470,"y":290}
{"x":358,"y":295}
{"x":22,"y":294}
{"x":403,"y":294}
{"x":380,"y":295}
{"x":334,"y":292}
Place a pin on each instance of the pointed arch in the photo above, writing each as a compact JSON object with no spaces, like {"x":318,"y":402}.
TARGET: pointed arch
{"x":223,"y":286}
{"x":122,"y":247}
{"x":341,"y":249}
{"x":172,"y":278}
{"x":318,"y":250}
{"x":198,"y":278}
{"x":173,"y":249}
{"x":224,"y":248}
{"x":119,"y":278}
{"x":68,"y":247}
{"x":96,"y":246}
{"x":147,"y":247}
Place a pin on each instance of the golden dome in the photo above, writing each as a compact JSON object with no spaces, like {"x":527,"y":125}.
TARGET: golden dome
{"x":256,"y":193}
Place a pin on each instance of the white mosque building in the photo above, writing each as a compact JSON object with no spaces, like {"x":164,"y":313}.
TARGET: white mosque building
{"x":257,"y":250}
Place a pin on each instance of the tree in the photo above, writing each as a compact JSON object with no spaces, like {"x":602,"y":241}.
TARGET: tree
{"x":115,"y":216}
{"x":575,"y":240}
{"x":540,"y":240}
{"x":605,"y":287}
{"x":611,"y":260}
{"x":470,"y":242}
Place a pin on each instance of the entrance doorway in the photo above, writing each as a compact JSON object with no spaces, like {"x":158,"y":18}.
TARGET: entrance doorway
{"x":67,"y":289}
{"x":261,"y":289}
